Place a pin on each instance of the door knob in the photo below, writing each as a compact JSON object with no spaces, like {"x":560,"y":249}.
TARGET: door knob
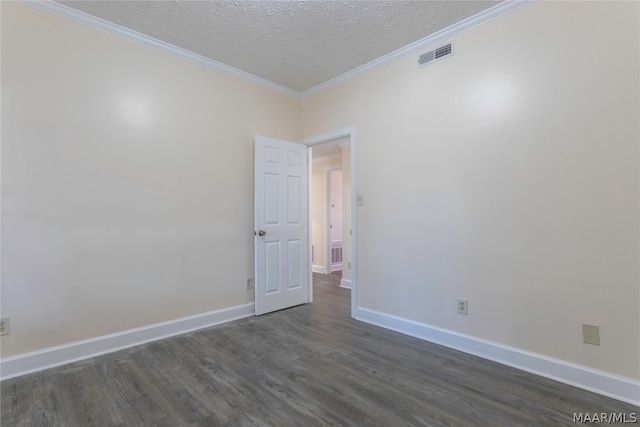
{"x":262,"y":233}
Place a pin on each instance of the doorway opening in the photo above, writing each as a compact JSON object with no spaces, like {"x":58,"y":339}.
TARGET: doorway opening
{"x":334,"y":227}
{"x":332,"y":208}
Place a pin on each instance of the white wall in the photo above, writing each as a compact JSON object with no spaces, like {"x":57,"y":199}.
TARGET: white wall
{"x":507,"y":175}
{"x":127,"y":182}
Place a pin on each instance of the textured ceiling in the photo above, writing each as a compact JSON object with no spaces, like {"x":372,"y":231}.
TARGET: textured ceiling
{"x":298,"y":44}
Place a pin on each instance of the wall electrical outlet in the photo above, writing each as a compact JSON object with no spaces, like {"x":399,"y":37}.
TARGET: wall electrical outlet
{"x":5,"y":325}
{"x":250,"y":283}
{"x":463,"y":306}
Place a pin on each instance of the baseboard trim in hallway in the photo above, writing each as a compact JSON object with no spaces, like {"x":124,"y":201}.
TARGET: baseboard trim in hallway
{"x":39,"y":360}
{"x":345,"y":283}
{"x":319,"y":269}
{"x":604,"y":383}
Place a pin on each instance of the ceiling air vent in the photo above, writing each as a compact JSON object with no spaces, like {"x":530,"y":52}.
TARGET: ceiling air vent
{"x":435,"y":55}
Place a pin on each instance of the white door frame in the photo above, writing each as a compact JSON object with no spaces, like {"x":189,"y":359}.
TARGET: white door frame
{"x":350,"y":133}
{"x":327,"y":217}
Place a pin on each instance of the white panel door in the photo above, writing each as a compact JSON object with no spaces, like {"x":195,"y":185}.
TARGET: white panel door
{"x":281,"y":242}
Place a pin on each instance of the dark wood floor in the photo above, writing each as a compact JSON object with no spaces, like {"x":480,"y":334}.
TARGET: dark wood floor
{"x":310,"y":365}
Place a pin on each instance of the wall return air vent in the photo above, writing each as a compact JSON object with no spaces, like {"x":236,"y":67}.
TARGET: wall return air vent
{"x":436,"y":54}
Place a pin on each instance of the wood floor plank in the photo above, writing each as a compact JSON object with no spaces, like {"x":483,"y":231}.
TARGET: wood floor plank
{"x":86,"y":400}
{"x":310,"y":365}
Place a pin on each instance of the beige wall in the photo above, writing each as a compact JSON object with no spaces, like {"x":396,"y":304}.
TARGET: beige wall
{"x":127,"y":182}
{"x":507,"y":175}
{"x":318,"y":206}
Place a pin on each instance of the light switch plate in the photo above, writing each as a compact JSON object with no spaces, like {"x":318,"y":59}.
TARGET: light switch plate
{"x":591,"y":334}
{"x":360,"y":200}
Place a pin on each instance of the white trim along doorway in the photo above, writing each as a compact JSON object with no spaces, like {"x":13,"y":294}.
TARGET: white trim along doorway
{"x":350,"y":133}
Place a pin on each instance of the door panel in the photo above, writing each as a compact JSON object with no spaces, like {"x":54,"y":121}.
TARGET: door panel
{"x":272,"y":262}
{"x":293,"y":200}
{"x":272,"y":202}
{"x":280,"y":195}
{"x":295,"y":261}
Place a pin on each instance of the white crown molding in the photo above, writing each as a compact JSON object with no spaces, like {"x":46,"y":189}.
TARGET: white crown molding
{"x":83,"y":18}
{"x":422,"y":44}
{"x":39,"y":360}
{"x":117,"y":30}
{"x":604,"y":383}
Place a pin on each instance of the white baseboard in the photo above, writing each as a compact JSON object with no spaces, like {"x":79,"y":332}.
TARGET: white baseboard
{"x":345,"y":283}
{"x":319,"y":269}
{"x":610,"y":385}
{"x":60,"y":355}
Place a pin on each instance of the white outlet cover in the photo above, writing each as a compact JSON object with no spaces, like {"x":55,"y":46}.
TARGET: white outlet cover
{"x":7,"y":325}
{"x":463,"y":306}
